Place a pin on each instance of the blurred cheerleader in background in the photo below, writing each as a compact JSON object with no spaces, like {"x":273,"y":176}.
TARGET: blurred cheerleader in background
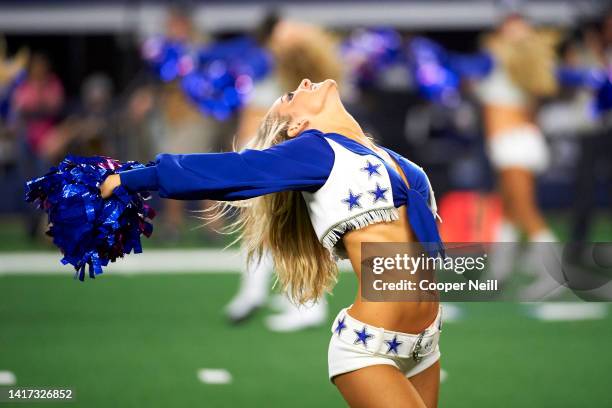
{"x":12,"y":73}
{"x":299,"y":50}
{"x":524,"y":71}
{"x":12,"y":70}
{"x":177,"y":125}
{"x":36,"y":104}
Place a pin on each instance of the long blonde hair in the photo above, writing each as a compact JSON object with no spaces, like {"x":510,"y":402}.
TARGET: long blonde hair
{"x":530,"y":60}
{"x":279,"y":222}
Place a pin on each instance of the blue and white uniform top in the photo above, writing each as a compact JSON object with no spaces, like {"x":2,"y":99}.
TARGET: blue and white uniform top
{"x":345,"y":185}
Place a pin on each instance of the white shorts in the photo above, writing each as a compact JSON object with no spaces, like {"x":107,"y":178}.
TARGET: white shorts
{"x":356,"y":345}
{"x":522,"y":147}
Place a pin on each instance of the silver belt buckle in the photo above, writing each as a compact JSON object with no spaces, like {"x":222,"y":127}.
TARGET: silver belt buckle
{"x":416,"y":356}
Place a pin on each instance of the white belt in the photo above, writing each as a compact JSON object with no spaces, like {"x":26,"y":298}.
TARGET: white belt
{"x":377,"y":340}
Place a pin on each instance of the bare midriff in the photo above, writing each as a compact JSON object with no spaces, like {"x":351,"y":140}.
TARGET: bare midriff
{"x":412,"y":316}
{"x":407,"y":317}
{"x":502,"y":118}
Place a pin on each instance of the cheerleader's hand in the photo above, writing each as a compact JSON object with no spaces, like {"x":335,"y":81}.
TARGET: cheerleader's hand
{"x":109,"y":185}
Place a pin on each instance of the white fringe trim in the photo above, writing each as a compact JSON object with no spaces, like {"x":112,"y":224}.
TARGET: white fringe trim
{"x":331,"y":238}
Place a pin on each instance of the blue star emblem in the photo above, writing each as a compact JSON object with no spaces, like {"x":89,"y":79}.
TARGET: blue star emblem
{"x":341,"y":326}
{"x":393,"y":345}
{"x":363,"y":336}
{"x":372,"y":169}
{"x":379,"y":193}
{"x":352,"y":200}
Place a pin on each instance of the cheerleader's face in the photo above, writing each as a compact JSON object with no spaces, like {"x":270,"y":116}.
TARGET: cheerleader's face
{"x":309,"y":106}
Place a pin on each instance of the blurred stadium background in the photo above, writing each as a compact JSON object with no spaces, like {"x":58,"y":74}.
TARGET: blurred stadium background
{"x":141,"y":334}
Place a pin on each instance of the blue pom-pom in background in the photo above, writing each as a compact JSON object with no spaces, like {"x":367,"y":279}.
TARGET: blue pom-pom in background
{"x":217,"y":78}
{"x":369,"y":53}
{"x":223,"y":76}
{"x":89,"y":230}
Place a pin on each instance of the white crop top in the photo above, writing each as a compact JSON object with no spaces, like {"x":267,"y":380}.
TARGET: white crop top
{"x":357,"y":193}
{"x":498,"y":89}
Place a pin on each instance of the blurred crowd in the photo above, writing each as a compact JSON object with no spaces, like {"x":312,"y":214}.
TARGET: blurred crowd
{"x":44,"y":124}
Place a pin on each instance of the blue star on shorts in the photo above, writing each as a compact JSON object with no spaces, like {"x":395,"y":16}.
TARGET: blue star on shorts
{"x":379,"y":193}
{"x":372,"y":169}
{"x":352,"y":200}
{"x":393,"y":345}
{"x":363,"y":336}
{"x":341,"y":326}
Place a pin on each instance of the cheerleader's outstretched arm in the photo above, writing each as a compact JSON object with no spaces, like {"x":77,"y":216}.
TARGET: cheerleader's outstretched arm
{"x":300,"y":164}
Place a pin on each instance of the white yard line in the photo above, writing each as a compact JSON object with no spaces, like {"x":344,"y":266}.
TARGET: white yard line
{"x":7,"y":378}
{"x":152,"y":261}
{"x":569,"y":311}
{"x":214,"y":376}
{"x":451,"y":313}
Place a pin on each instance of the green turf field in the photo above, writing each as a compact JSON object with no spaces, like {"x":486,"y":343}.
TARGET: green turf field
{"x":138,"y":341}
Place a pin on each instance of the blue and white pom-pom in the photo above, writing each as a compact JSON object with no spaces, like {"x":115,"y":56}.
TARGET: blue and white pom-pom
{"x":90,"y":231}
